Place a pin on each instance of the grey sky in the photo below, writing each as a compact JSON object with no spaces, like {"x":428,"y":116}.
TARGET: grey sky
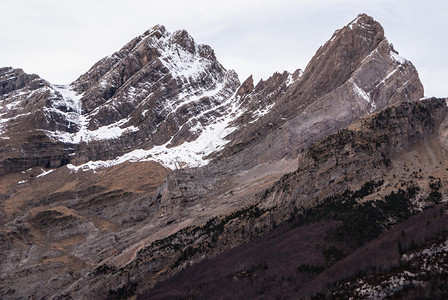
{"x":60,"y":40}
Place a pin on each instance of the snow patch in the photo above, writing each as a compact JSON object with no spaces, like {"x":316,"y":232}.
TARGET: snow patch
{"x":13,"y":104}
{"x":70,"y":97}
{"x":335,"y":35}
{"x":360,"y":92}
{"x":390,"y":75}
{"x":261,"y":112}
{"x":425,"y":98}
{"x":401,"y":60}
{"x":69,"y":105}
{"x":4,"y":121}
{"x":387,"y":77}
{"x":355,"y":21}
{"x":45,"y":173}
{"x":72,"y":100}
{"x":290,"y":80}
{"x":181,"y":63}
{"x":187,"y":98}
{"x":84,"y":135}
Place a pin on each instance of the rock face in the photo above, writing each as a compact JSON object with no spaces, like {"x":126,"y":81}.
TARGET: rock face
{"x":158,"y":157}
{"x":356,"y":72}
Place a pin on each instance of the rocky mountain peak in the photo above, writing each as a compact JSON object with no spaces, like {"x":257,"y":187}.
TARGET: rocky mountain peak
{"x":157,"y":31}
{"x":365,"y":25}
{"x":338,"y":58}
{"x":184,"y":40}
{"x":360,"y":53}
{"x":356,"y":72}
{"x":160,"y":90}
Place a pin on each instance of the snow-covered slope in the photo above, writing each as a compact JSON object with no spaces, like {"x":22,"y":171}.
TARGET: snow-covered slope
{"x":209,"y":138}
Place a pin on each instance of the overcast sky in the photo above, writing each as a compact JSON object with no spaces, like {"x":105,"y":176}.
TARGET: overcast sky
{"x":60,"y":40}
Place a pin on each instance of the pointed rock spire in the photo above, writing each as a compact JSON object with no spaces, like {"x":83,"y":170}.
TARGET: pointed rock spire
{"x":246,"y":87}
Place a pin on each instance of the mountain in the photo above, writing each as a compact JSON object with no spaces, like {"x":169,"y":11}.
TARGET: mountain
{"x":157,"y":173}
{"x":160,"y":89}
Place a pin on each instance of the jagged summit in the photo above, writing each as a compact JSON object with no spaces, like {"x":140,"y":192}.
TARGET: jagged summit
{"x":162,"y":90}
{"x":152,"y":44}
{"x":158,"y":30}
{"x":358,"y":45}
{"x":366,"y":22}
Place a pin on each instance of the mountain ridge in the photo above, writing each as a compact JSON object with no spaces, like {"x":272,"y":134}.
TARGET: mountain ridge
{"x":104,"y":123}
{"x":158,"y":157}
